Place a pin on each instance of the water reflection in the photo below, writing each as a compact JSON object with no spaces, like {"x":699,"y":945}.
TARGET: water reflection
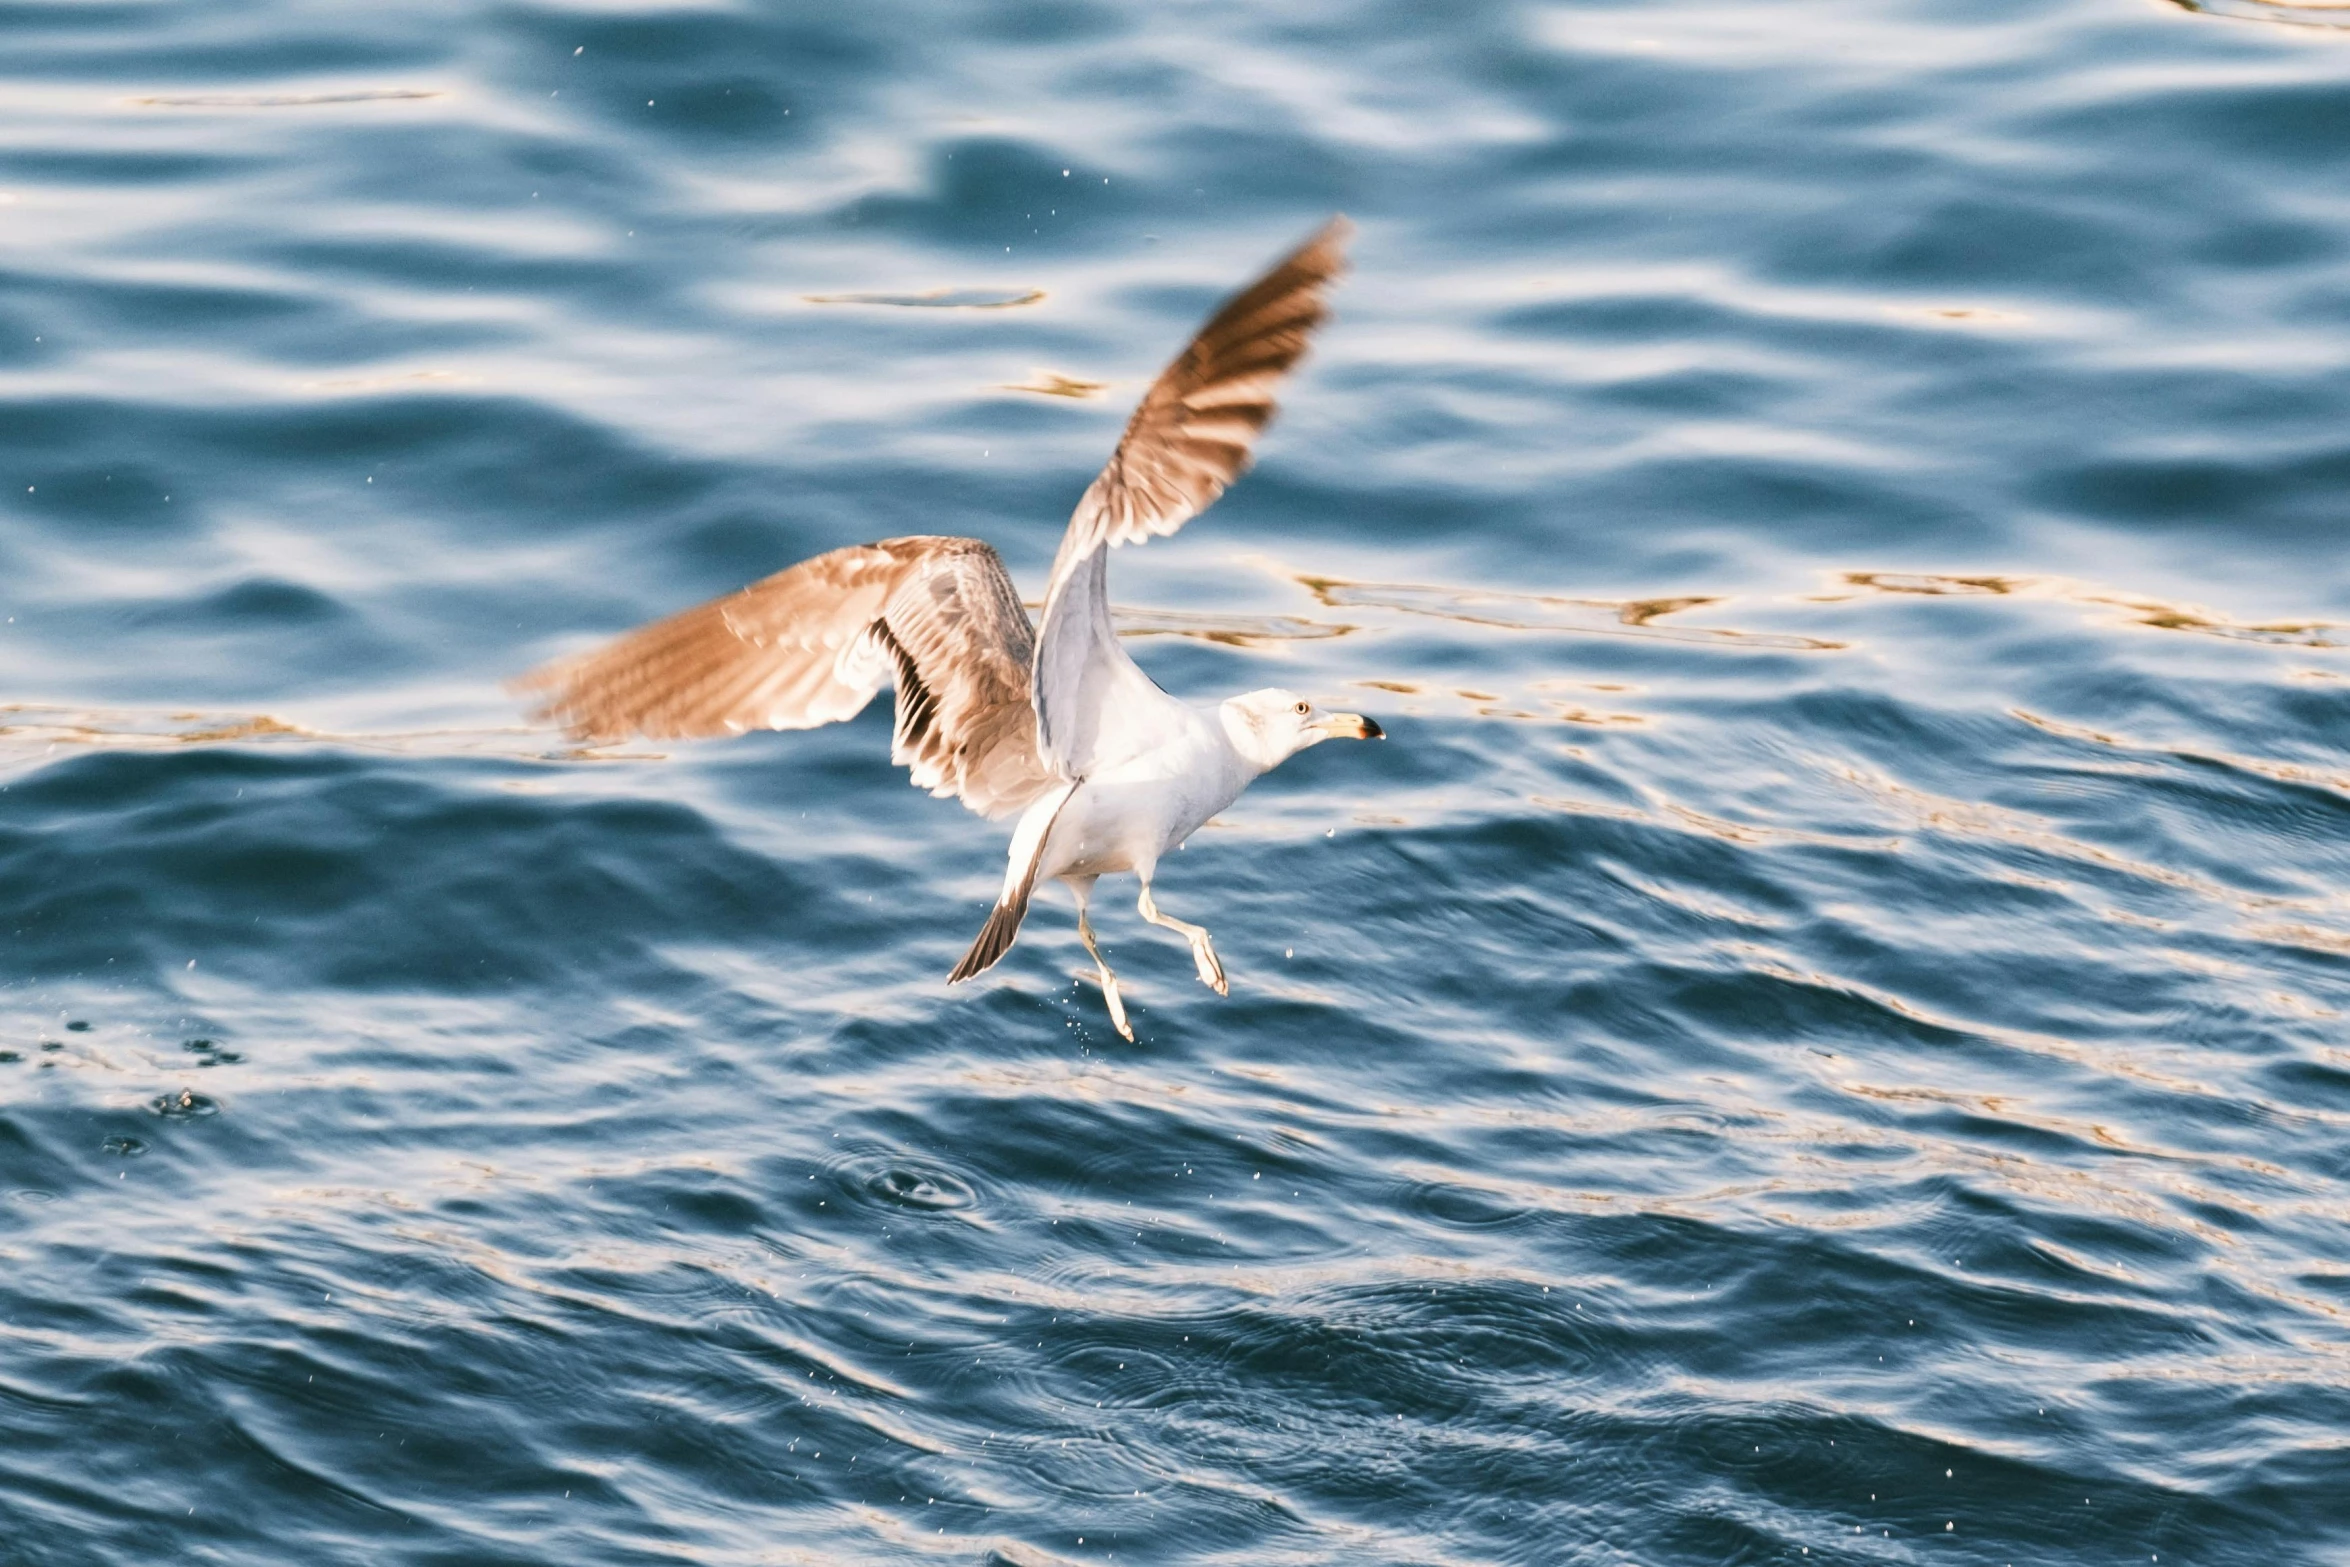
{"x":1051,"y":383}
{"x":940,"y":299}
{"x":32,"y":734}
{"x":2155,"y":614}
{"x":2292,"y":13}
{"x":284,"y":100}
{"x":1928,"y":585}
{"x":1240,"y":631}
{"x":1542,"y":612}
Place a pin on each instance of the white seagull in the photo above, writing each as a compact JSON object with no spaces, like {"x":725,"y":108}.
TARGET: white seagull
{"x":1108,"y":772}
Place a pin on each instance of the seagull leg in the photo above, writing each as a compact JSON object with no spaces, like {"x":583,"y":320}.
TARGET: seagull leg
{"x":1082,"y":887}
{"x":1203,"y":951}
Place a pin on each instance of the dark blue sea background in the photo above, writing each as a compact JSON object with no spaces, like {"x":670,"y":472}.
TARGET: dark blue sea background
{"x":1818,"y":1039}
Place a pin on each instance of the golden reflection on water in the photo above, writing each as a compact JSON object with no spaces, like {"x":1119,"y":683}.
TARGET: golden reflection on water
{"x":1543,"y":612}
{"x":1051,"y":383}
{"x":2299,"y":634}
{"x":32,"y":734}
{"x":939,"y":299}
{"x":2156,"y":614}
{"x":2290,"y":13}
{"x":1657,"y":616}
{"x":1931,"y":586}
{"x":1241,"y":631}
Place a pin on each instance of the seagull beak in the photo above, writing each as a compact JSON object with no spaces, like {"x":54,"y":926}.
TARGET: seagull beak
{"x":1351,"y":726}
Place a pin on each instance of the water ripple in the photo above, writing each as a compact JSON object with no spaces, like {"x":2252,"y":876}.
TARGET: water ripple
{"x":1817,"y":1038}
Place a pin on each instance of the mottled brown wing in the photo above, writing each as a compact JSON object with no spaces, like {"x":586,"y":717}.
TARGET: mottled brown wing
{"x":812,"y":644}
{"x":1194,"y":430}
{"x":768,"y":657}
{"x":959,"y":644}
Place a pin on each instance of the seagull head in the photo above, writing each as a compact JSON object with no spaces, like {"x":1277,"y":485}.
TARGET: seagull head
{"x":1269,"y":727}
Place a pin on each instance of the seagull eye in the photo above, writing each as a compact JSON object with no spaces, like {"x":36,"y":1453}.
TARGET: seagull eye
{"x":1303,"y":709}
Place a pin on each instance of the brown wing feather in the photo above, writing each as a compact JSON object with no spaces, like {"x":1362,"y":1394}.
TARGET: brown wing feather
{"x":812,"y":644}
{"x":960,"y":645}
{"x":767,"y":657}
{"x":1194,"y":430}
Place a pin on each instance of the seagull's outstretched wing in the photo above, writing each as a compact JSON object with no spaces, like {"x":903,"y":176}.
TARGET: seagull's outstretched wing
{"x":812,"y":644}
{"x":1189,"y":439}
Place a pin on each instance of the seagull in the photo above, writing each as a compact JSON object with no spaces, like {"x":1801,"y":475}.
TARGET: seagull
{"x":1106,"y":772}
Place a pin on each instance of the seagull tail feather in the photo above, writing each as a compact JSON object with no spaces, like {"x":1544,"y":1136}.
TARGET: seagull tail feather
{"x":995,"y":937}
{"x":1011,"y":905}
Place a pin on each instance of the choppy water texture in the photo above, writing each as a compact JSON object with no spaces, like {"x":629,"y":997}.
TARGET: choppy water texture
{"x":1820,"y":1038}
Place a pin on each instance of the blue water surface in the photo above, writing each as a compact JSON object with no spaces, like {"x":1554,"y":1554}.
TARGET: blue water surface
{"x":1818,"y":1039}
